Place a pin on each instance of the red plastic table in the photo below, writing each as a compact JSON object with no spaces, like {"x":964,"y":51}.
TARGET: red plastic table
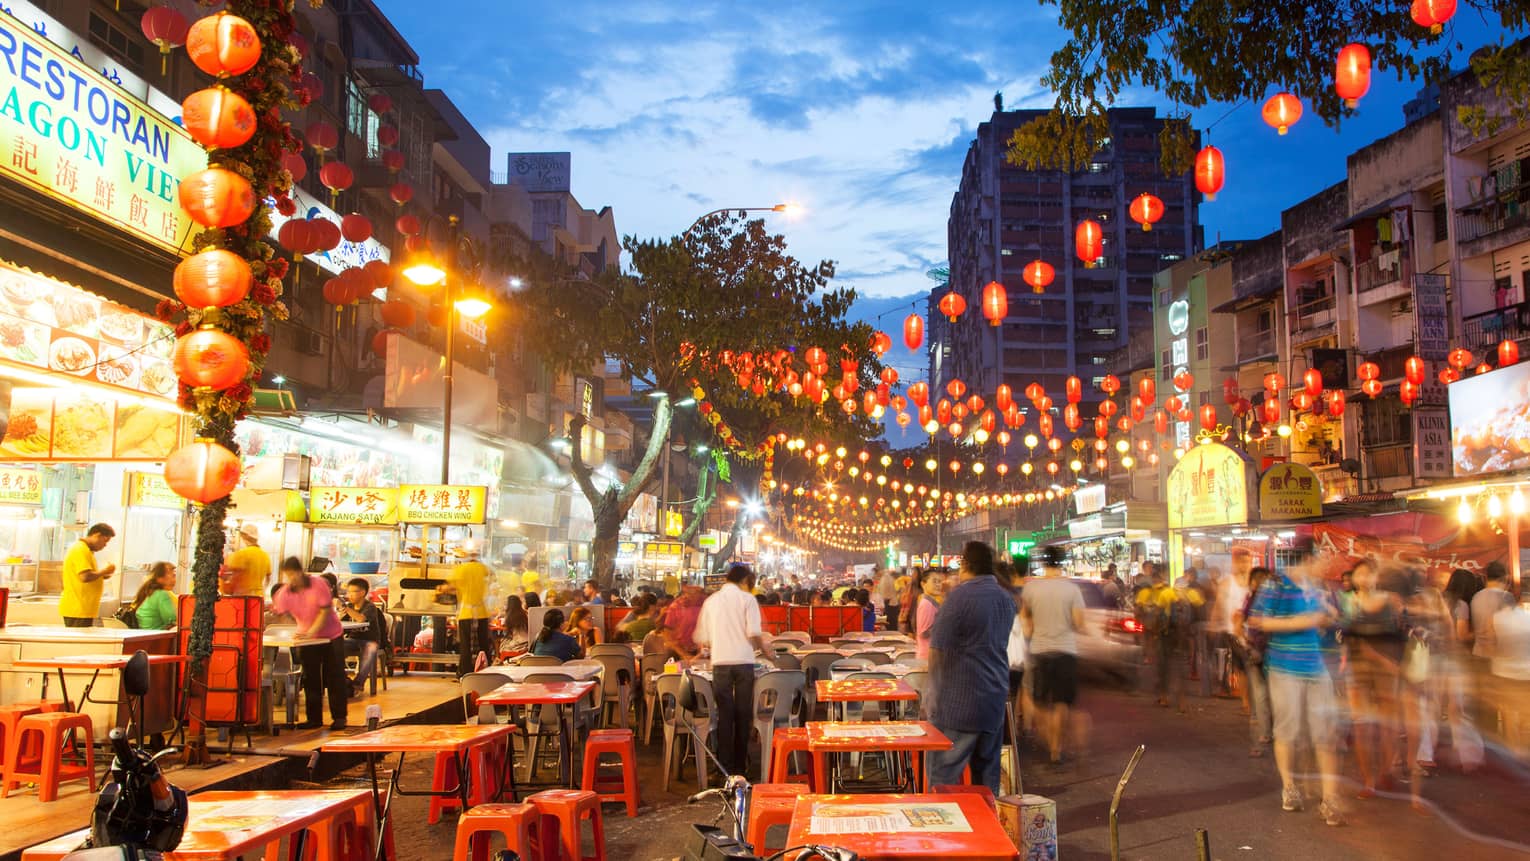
{"x":863,"y":691}
{"x":826,"y":738}
{"x":893,"y":827}
{"x":223,"y":826}
{"x":564,"y":695}
{"x":458,"y":740}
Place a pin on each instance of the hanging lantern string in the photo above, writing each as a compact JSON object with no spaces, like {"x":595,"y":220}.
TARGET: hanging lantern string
{"x":1236,"y":105}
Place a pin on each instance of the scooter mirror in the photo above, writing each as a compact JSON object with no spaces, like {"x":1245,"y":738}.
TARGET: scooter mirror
{"x":135,"y":676}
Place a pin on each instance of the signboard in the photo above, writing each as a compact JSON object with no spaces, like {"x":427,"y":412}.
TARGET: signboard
{"x":149,"y":490}
{"x":1431,"y":443}
{"x":441,"y":503}
{"x":1089,"y":498}
{"x":1086,"y":527}
{"x":674,"y":524}
{"x":1290,"y":491}
{"x":62,"y":425}
{"x":1208,"y":487}
{"x":1020,"y":547}
{"x":709,"y":540}
{"x":665,"y":551}
{"x":345,"y":255}
{"x":69,"y":133}
{"x":82,"y":49}
{"x":1431,"y":318}
{"x":1488,"y":432}
{"x":541,"y":171}
{"x":20,"y":487}
{"x":356,"y":505}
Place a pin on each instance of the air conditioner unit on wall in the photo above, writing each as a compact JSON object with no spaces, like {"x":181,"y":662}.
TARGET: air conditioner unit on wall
{"x":310,"y":342}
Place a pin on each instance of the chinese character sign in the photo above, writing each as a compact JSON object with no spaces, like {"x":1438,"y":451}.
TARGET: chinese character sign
{"x":1208,"y":487}
{"x":1290,"y":491}
{"x":441,"y":503}
{"x":370,"y":505}
{"x":20,"y":487}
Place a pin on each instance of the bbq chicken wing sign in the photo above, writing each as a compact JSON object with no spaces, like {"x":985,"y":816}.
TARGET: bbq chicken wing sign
{"x":69,"y":133}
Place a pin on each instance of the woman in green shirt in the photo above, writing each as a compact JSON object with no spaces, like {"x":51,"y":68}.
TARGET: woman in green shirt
{"x":155,"y":602}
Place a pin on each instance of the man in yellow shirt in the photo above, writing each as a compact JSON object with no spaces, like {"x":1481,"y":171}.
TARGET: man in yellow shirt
{"x":246,"y":570}
{"x":1168,"y":621}
{"x":469,"y":581}
{"x":80,"y":603}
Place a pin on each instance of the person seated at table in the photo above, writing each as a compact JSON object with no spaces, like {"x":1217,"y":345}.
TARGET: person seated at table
{"x":363,"y":643}
{"x":154,"y":604}
{"x":532,"y":600}
{"x":581,"y":626}
{"x":517,"y":626}
{"x":311,"y":603}
{"x":654,"y":642}
{"x":639,"y":622}
{"x":552,"y":641}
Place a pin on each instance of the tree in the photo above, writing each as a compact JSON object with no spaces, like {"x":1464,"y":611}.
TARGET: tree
{"x":686,"y":304}
{"x":1200,"y":52}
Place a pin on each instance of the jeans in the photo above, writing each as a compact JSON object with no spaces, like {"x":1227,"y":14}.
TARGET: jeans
{"x":982,"y":749}
{"x":733,"y":686}
{"x":366,"y":658}
{"x":1260,"y":724}
{"x":472,"y":638}
{"x":324,"y":670}
{"x":78,"y":622}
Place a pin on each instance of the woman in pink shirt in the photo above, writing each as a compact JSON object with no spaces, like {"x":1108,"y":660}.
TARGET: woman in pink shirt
{"x":934,"y":586}
{"x":310,"y":601}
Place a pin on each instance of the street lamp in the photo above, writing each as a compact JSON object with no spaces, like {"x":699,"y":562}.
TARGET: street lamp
{"x":784,"y":208}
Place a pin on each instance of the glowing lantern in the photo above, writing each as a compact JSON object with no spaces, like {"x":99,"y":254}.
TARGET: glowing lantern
{"x":217,"y":198}
{"x":401,"y":192}
{"x":166,"y":28}
{"x":1184,"y":381}
{"x":1312,"y":381}
{"x":1368,"y":371}
{"x":1230,"y":391}
{"x":952,"y":305}
{"x":1209,"y":416}
{"x":337,"y":176}
{"x":1110,"y":384}
{"x":1301,"y":401}
{"x":848,"y":367}
{"x":1371,"y":388}
{"x":1101,"y":427}
{"x":1508,"y":353}
{"x":890,"y":376}
{"x":1044,"y":424}
{"x":943,"y":411}
{"x":202,"y":471}
{"x":218,"y":118}
{"x":1274,"y":382}
{"x":1147,"y":390}
{"x":355,"y":227}
{"x":296,"y":235}
{"x":995,"y":303}
{"x":869,"y":402}
{"x":1107,"y":408}
{"x":210,"y":358}
{"x":1088,"y":241}
{"x":223,"y":44}
{"x":1433,"y":13}
{"x":1209,"y":172}
{"x":1003,"y":397}
{"x":1073,"y":387}
{"x":1146,"y":209}
{"x":1044,"y":404}
{"x":322,"y":136}
{"x":956,"y":388}
{"x":987,"y":422}
{"x":1408,"y":392}
{"x":1139,"y":410}
{"x":1172,"y":404}
{"x":380,"y":103}
{"x":880,"y":343}
{"x":1160,"y":422}
{"x":293,"y":163}
{"x":959,"y":410}
{"x":975,"y":403}
{"x":380,"y":342}
{"x":919,"y":393}
{"x":913,"y":331}
{"x":1352,"y":77}
{"x":1449,"y":375}
{"x":1414,"y":370}
{"x":1459,"y":358}
{"x":926,"y":415}
{"x":1336,"y":403}
{"x":393,"y":160}
{"x":1072,"y":417}
{"x":903,"y":419}
{"x":1281,"y":111}
{"x":1039,"y":273}
{"x":409,"y":225}
{"x":1271,"y":411}
{"x":326,"y":234}
{"x":397,"y":313}
{"x":214,"y":278}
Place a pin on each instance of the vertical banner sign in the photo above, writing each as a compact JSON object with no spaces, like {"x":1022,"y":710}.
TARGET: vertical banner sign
{"x":69,"y":133}
{"x":1431,"y":443}
{"x":1430,"y":319}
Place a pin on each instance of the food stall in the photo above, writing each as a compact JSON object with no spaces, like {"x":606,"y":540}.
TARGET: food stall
{"x":356,"y":529}
{"x":436,"y":521}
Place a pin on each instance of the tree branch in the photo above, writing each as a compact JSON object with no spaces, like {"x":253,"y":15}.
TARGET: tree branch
{"x":581,"y":471}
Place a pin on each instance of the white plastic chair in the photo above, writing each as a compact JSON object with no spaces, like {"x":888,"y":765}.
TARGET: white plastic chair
{"x":775,"y":700}
{"x":700,"y":721}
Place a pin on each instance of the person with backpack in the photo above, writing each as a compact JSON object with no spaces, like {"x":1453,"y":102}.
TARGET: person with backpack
{"x":1168,"y":619}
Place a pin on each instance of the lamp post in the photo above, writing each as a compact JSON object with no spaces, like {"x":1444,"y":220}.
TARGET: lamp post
{"x":426,"y":273}
{"x":787,"y":208}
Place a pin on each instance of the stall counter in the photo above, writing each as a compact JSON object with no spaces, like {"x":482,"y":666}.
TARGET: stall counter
{"x":47,"y":641}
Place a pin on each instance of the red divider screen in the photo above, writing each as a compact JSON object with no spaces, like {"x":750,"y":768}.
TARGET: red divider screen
{"x":614,"y":617}
{"x":231,"y":693}
{"x":824,"y":623}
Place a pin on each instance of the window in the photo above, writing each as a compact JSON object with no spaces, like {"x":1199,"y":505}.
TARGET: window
{"x":1202,"y":345}
{"x":359,"y":119}
{"x":1441,"y":226}
{"x":1171,"y":258}
{"x":1265,"y":320}
{"x":128,"y":51}
{"x":1386,"y":422}
{"x":1163,"y":298}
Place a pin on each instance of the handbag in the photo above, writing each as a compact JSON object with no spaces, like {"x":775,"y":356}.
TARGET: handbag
{"x":1416,"y":660}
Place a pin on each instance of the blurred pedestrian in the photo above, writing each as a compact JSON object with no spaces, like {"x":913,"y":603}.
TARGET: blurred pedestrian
{"x":1455,"y":681}
{"x":469,"y":581}
{"x":1249,"y":647}
{"x":729,"y":625}
{"x":887,"y":596}
{"x":932,"y":593}
{"x":311,"y":604}
{"x":1168,"y":621}
{"x":1052,"y":612}
{"x":1374,"y":638}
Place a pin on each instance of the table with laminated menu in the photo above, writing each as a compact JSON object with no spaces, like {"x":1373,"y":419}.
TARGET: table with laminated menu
{"x":910,"y":739}
{"x":892,"y":827}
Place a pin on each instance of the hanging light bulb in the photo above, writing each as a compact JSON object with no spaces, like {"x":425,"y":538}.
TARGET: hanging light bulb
{"x":1464,"y":512}
{"x":1516,"y":502}
{"x":1495,"y":506}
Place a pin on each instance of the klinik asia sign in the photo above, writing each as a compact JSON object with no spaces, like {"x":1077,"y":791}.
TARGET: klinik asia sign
{"x":69,"y":133}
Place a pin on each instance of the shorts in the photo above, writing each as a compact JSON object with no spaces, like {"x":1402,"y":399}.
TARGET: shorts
{"x":1297,"y":701}
{"x":1056,"y":681}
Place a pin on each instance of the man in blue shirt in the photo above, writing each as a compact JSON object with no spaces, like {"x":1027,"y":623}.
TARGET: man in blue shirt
{"x":969,"y":672}
{"x":1290,"y":610}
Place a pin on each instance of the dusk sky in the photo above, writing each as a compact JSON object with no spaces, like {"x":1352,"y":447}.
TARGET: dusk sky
{"x":860,"y":113}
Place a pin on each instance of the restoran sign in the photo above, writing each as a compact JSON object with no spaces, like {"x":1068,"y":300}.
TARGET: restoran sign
{"x":20,"y":487}
{"x":68,"y":132}
{"x":1208,"y":487}
{"x":441,"y":503}
{"x":355,"y":505}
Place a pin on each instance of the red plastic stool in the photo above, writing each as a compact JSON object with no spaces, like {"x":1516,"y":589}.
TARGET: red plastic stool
{"x":10,"y":719}
{"x":787,"y":741}
{"x":482,"y":761}
{"x":51,"y":769}
{"x":518,"y":822}
{"x":622,"y":743}
{"x":770,"y":804}
{"x":968,"y":789}
{"x":562,"y":811}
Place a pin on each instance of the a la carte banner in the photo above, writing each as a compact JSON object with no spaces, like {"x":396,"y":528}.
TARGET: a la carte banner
{"x":1434,"y":543}
{"x":1208,"y":487}
{"x":69,"y":133}
{"x":1290,"y":491}
{"x":354,"y":505}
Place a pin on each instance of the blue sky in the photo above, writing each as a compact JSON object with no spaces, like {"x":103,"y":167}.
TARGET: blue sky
{"x":860,"y":111}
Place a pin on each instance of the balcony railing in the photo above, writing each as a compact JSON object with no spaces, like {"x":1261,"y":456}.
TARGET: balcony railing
{"x":1502,"y":211}
{"x":1371,"y":274}
{"x":1480,"y":332}
{"x":1255,"y":345}
{"x":1314,"y":314}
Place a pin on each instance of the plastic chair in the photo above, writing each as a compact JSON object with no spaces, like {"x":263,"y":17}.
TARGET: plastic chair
{"x":10,"y":720}
{"x":539,"y":661}
{"x":845,"y":666}
{"x":786,"y":741}
{"x":562,"y":812}
{"x":700,"y":722}
{"x":650,"y":669}
{"x":815,"y":647}
{"x":770,"y":805}
{"x":816,"y":666}
{"x":787,"y":661}
{"x":475,"y":685}
{"x":623,"y":744}
{"x":919,"y":680}
{"x":538,"y":716}
{"x":519,"y":823}
{"x":619,"y":682}
{"x":50,"y":769}
{"x":802,"y":637}
{"x":587,"y":713}
{"x":775,"y":698}
{"x":908,"y":656}
{"x":618,"y":649}
{"x":888,"y":644}
{"x":880,"y":659}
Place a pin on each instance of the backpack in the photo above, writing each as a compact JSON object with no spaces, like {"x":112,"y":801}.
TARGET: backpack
{"x":1154,"y":617}
{"x":1181,"y":616}
{"x":127,"y":614}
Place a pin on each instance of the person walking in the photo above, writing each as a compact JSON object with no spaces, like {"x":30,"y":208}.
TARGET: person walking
{"x":969,"y":672}
{"x":729,"y":625}
{"x":1168,"y":618}
{"x":154,"y":604}
{"x":80,"y":602}
{"x":932,"y":591}
{"x":246,"y":570}
{"x":469,"y":581}
{"x":1455,"y":681}
{"x":1248,"y":650}
{"x":1374,"y":637}
{"x":1052,"y":611}
{"x":311,"y":603}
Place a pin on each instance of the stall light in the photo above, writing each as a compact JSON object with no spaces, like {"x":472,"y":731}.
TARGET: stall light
{"x":1286,"y":535}
{"x":1494,"y":506}
{"x":510,"y":524}
{"x":1284,"y":431}
{"x":1516,"y":502}
{"x":1464,"y":512}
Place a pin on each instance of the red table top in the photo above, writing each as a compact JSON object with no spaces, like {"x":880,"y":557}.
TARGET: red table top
{"x":864,"y":690}
{"x":537,"y":693}
{"x":830,"y":736}
{"x":401,"y":738}
{"x":225,"y":825}
{"x":93,"y":662}
{"x":904,"y":826}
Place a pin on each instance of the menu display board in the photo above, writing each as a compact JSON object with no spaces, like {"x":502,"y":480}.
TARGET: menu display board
{"x":149,"y":490}
{"x":355,"y":505}
{"x":851,"y":818}
{"x":52,"y":424}
{"x":53,"y":326}
{"x":1208,"y":487}
{"x":1490,"y":421}
{"x":441,"y":503}
{"x":663,"y":550}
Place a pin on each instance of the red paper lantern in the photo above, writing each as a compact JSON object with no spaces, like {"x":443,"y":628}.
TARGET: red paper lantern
{"x":326,"y":234}
{"x":1146,"y":209}
{"x":913,"y":331}
{"x":1414,"y":370}
{"x":1033,"y":391}
{"x":1088,"y":241}
{"x":1371,"y":388}
{"x":1336,"y":403}
{"x":312,"y":86}
{"x":322,"y":136}
{"x":1107,"y":408}
{"x":1101,"y":427}
{"x":1209,"y":416}
{"x":1110,"y":384}
{"x":1271,"y":410}
{"x":1408,"y":392}
{"x":214,"y":278}
{"x":294,"y":164}
{"x":217,"y":198}
{"x":956,"y":388}
{"x":1301,"y":401}
{"x":1352,"y":76}
{"x":987,"y":422}
{"x":1209,"y":172}
{"x":975,"y":403}
{"x":1139,"y":409}
{"x":393,"y":160}
{"x":1459,"y":358}
{"x":1039,"y":273}
{"x":223,"y":44}
{"x":203,"y":471}
{"x":1433,"y":13}
{"x":1312,"y":381}
{"x":355,"y":227}
{"x":218,"y":118}
{"x":334,"y":291}
{"x":1044,"y":404}
{"x":1484,"y":368}
{"x":1147,"y":390}
{"x":409,"y":225}
{"x":919,"y":393}
{"x":1508,"y":353}
{"x":1044,"y":424}
{"x":210,"y":358}
{"x":1003,"y":397}
{"x":1160,"y":422}
{"x":1073,"y":389}
{"x":380,"y":342}
{"x":943,"y":411}
{"x":952,"y":305}
{"x":337,"y":176}
{"x":995,"y":303}
{"x":1230,"y":391}
{"x":1448,"y":376}
{"x":1184,"y":381}
{"x":1072,"y":417}
{"x":890,"y":376}
{"x":1368,"y":371}
{"x":869,"y":402}
{"x":1173,"y":404}
{"x":397,"y":313}
{"x":1274,"y":382}
{"x":166,"y":28}
{"x":880,"y":343}
{"x":1281,"y":111}
{"x":387,"y":135}
{"x":297,"y":235}
{"x":380,"y":103}
{"x":401,"y":192}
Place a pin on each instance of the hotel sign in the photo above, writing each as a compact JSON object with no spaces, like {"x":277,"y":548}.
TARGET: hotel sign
{"x":71,"y":134}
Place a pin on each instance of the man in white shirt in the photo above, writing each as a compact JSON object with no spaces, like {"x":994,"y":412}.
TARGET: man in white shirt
{"x":730,"y":625}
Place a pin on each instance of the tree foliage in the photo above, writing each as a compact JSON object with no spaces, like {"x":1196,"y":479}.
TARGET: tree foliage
{"x":1204,"y":52}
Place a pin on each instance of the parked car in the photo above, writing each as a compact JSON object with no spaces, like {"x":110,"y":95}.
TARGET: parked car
{"x":1112,"y":637}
